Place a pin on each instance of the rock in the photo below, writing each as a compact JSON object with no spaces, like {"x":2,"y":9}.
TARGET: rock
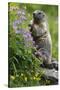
{"x":55,"y":63}
{"x":51,"y":75}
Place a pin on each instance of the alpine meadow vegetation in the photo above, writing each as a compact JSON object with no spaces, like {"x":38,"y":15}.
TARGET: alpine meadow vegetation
{"x":24,"y":66}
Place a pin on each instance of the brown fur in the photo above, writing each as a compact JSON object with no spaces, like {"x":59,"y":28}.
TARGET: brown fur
{"x":40,"y":32}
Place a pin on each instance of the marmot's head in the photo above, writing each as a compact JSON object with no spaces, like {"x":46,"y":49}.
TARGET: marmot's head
{"x":39,"y":16}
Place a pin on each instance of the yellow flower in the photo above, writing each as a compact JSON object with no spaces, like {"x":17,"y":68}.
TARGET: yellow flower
{"x":21,"y":74}
{"x":34,"y":78}
{"x":36,"y":75}
{"x":12,"y":77}
{"x":25,"y":78}
{"x":37,"y":78}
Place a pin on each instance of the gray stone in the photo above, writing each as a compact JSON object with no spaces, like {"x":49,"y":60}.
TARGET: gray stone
{"x":51,"y":75}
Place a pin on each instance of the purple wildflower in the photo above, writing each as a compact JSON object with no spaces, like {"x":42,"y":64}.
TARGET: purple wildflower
{"x":21,"y":12}
{"x":20,"y":31}
{"x":15,"y":23}
{"x":18,"y":12}
{"x":23,"y":18}
{"x":14,"y":26}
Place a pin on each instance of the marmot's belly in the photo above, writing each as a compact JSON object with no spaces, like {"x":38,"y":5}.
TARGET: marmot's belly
{"x":43,"y":43}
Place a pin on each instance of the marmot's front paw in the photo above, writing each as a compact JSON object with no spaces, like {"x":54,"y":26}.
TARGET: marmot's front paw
{"x":48,"y":66}
{"x":38,"y":54}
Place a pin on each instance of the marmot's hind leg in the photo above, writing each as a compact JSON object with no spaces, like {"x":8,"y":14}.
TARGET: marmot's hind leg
{"x":45,"y":57}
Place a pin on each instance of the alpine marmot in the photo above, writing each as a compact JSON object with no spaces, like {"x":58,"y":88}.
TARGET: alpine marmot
{"x":40,"y":33}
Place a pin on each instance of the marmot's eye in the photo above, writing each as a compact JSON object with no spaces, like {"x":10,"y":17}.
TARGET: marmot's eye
{"x":33,"y":13}
{"x":39,"y":12}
